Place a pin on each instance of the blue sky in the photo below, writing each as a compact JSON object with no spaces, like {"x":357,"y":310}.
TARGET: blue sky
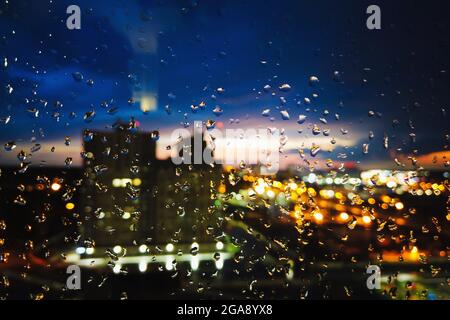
{"x":180,"y":52}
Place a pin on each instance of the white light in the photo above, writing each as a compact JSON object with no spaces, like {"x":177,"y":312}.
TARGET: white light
{"x":391,"y":184}
{"x":195,"y":245}
{"x":318,"y":216}
{"x":259,"y":189}
{"x":290,"y":273}
{"x":116,"y":183}
{"x":169,"y":247}
{"x":219,"y":245}
{"x":80,"y":250}
{"x":344,"y":216}
{"x":143,"y":266}
{"x":143,"y":248}
{"x":399,"y":206}
{"x":270,"y":194}
{"x":117,"y":268}
{"x":126,"y":215}
{"x":169,"y":265}
{"x":147,"y":103}
{"x":90,"y":250}
{"x":219,"y":263}
{"x":366,"y":219}
{"x":312,"y":178}
{"x":55,"y":186}
{"x":124,"y":182}
{"x":194,"y":263}
{"x":117,"y":249}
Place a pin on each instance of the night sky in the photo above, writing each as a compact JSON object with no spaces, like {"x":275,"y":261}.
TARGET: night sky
{"x":180,"y":52}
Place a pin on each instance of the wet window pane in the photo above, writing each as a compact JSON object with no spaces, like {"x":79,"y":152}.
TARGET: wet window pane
{"x":224,"y":150}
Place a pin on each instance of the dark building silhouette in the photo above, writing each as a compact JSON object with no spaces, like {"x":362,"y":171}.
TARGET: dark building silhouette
{"x":131,"y":198}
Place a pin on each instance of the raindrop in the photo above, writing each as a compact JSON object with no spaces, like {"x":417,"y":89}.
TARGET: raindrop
{"x":301,"y":119}
{"x":217,"y":111}
{"x":77,"y":76}
{"x":9,"y":89}
{"x":284,"y":115}
{"x":68,"y":161}
{"x":35,"y":148}
{"x":181,"y":211}
{"x":154,"y":135}
{"x":89,"y":116}
{"x":194,"y":250}
{"x":134,"y":169}
{"x":22,"y":155}
{"x":33,"y":112}
{"x":386,"y":142}
{"x":352,"y":224}
{"x":285,"y":87}
{"x":11,"y":145}
{"x":20,"y":200}
{"x":88,"y":135}
{"x":314,"y":150}
{"x":365,"y":148}
{"x":266,"y":113}
{"x":337,"y":76}
{"x":210,"y":124}
{"x":5,"y":120}
{"x":313,"y":81}
{"x":315,"y":129}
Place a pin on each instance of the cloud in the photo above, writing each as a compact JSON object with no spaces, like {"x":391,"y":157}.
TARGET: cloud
{"x":431,"y":160}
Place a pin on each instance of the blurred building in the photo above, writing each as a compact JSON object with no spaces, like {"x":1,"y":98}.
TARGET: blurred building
{"x":131,"y":198}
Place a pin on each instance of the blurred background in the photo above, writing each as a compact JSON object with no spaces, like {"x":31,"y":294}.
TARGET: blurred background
{"x":86,"y":178}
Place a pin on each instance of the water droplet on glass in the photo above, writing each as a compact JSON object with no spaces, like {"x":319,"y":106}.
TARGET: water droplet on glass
{"x":89,"y":116}
{"x":154,"y":135}
{"x":365,"y":148}
{"x":217,"y":256}
{"x":217,"y":111}
{"x":11,"y":145}
{"x":22,"y":155}
{"x":77,"y":76}
{"x":284,"y":115}
{"x":313,"y":81}
{"x":68,"y":161}
{"x":314,"y":150}
{"x":285,"y":87}
{"x":210,"y":124}
{"x":301,"y":119}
